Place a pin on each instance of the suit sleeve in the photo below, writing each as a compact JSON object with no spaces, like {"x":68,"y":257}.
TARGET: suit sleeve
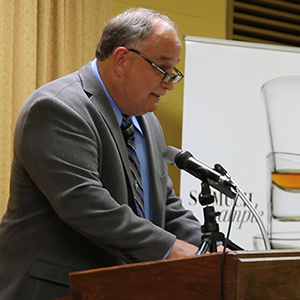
{"x":177,"y":220}
{"x":181,"y":221}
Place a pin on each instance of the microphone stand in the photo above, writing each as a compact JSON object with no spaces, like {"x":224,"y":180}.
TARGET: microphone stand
{"x":211,"y":234}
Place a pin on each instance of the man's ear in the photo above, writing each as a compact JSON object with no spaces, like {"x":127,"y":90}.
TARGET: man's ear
{"x":120,"y":57}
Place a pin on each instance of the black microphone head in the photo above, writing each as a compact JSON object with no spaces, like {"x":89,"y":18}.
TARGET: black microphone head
{"x":176,"y":156}
{"x":185,"y":160}
{"x":181,"y":159}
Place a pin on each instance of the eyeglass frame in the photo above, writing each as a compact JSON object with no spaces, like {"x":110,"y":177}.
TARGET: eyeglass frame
{"x":168,"y":77}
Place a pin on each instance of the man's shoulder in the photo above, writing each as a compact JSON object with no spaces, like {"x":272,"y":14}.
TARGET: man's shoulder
{"x":66,"y":81}
{"x":63,"y":86}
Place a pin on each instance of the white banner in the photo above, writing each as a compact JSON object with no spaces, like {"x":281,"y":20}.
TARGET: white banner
{"x":224,"y":121}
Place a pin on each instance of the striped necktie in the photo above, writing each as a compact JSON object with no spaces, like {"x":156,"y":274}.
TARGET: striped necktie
{"x":128,"y":133}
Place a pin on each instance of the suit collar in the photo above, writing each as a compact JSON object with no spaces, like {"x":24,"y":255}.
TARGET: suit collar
{"x":98,"y":97}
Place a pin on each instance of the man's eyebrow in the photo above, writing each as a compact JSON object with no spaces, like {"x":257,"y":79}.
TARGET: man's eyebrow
{"x":168,"y":58}
{"x":165,"y":58}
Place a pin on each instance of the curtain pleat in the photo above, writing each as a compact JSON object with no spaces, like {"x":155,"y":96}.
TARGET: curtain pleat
{"x":40,"y":40}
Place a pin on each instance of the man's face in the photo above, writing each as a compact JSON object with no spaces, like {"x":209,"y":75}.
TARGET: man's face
{"x":143,"y":85}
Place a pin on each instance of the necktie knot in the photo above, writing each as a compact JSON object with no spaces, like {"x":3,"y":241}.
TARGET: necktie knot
{"x":127,"y":128}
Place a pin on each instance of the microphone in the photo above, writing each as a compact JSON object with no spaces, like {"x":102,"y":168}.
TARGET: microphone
{"x":185,"y":160}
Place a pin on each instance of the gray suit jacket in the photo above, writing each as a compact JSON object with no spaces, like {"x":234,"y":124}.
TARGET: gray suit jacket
{"x":69,"y":208}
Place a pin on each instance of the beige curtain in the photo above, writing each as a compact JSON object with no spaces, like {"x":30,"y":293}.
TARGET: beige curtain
{"x":40,"y":40}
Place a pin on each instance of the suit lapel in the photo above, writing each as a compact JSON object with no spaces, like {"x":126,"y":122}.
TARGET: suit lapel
{"x":94,"y":90}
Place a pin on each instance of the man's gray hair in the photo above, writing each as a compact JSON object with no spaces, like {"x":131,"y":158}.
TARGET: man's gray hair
{"x":128,"y":29}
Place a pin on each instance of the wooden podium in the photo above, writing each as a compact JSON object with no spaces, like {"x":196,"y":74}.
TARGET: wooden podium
{"x":249,"y":275}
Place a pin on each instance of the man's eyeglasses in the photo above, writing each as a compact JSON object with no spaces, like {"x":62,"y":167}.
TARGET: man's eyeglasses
{"x":168,"y":76}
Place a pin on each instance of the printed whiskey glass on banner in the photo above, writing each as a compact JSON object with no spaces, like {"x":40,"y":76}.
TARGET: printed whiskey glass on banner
{"x":282,"y":100}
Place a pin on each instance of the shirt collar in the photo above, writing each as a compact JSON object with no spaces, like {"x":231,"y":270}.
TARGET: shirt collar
{"x":111,"y":100}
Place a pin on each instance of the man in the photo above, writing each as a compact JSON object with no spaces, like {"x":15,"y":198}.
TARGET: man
{"x":72,"y":205}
